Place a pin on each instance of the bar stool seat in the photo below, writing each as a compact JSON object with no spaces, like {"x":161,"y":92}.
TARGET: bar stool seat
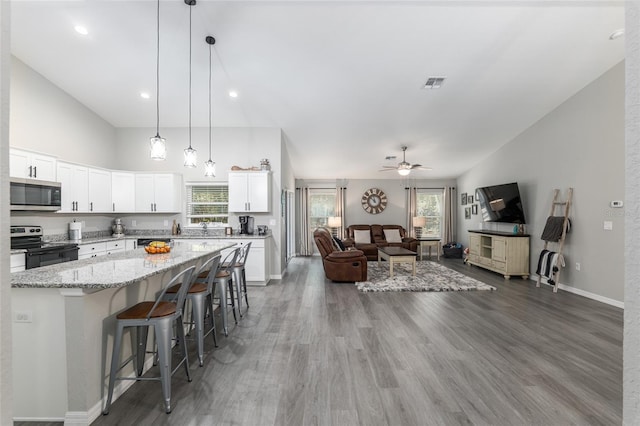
{"x":241,"y":277}
{"x":200,"y":295}
{"x":161,"y":315}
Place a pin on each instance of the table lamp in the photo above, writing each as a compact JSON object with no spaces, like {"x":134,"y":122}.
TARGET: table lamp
{"x":419,"y":222}
{"x":335,"y":222}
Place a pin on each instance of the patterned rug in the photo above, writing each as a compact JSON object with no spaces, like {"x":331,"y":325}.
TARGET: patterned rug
{"x":430,"y":276}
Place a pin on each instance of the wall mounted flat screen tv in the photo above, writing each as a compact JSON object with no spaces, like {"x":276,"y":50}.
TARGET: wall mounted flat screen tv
{"x":501,"y":203}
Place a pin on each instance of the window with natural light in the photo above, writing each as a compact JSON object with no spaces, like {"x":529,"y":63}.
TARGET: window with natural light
{"x":322,"y":206}
{"x":430,"y":204}
{"x":207,"y":203}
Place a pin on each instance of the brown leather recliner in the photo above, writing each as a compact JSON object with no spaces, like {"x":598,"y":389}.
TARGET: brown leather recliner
{"x":340,"y":266}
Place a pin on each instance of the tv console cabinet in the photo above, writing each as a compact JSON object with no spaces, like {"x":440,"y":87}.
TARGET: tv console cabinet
{"x":501,"y":252}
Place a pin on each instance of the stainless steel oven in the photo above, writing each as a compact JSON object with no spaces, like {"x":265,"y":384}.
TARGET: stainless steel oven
{"x":40,"y":253}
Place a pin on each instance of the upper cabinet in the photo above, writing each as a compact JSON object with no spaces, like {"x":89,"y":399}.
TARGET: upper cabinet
{"x":123,"y":195}
{"x":100,"y":191}
{"x":84,"y":189}
{"x":158,"y":192}
{"x":26,"y":164}
{"x":75,"y":187}
{"x":250,"y":192}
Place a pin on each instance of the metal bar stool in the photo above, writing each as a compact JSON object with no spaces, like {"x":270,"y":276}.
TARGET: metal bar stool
{"x":200,"y":296}
{"x":241,"y":277}
{"x":224,"y":282}
{"x":160,"y":315}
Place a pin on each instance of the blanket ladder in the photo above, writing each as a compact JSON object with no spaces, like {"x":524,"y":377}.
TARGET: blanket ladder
{"x":564,"y":208}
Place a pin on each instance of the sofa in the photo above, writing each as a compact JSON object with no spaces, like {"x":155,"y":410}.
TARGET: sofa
{"x":340,"y":266}
{"x":378,"y":238}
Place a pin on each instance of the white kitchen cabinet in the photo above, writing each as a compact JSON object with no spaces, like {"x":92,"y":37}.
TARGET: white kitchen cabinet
{"x":256,"y":269}
{"x":130,"y":245}
{"x":91,"y":250}
{"x":75,"y":186}
{"x":100,"y":191}
{"x":115,"y":246}
{"x":123,"y":195}
{"x":18,"y":262}
{"x":160,"y":192}
{"x":250,"y":192}
{"x":26,"y":164}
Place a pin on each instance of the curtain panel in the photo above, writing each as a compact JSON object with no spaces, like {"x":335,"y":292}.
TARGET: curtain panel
{"x":341,"y":201}
{"x":412,"y":196}
{"x":449,"y":214}
{"x":305,"y":238}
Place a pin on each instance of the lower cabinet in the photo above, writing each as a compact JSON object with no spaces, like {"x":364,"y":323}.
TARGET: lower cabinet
{"x":18,"y":262}
{"x":256,"y":266}
{"x":103,"y":248}
{"x":501,"y":252}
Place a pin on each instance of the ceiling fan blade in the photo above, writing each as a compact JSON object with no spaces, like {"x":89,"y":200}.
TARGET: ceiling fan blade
{"x":388,"y":170}
{"x":415,"y":166}
{"x":390,"y":167}
{"x":422,"y":168}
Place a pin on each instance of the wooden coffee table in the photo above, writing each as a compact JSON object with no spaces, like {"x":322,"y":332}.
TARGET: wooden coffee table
{"x":397,"y":255}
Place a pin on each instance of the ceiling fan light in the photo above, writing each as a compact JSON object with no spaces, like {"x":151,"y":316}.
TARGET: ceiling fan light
{"x":158,"y":148}
{"x":209,"y":169}
{"x":190,"y":157}
{"x":404,"y":172}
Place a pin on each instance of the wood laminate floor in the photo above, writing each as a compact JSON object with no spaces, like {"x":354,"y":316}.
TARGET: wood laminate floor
{"x":313,"y":352}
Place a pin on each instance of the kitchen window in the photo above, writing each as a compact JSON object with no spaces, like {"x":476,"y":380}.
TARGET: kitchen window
{"x":207,"y":202}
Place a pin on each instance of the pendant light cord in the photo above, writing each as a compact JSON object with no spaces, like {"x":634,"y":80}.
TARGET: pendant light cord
{"x":190,"y":13}
{"x":210,"y":110}
{"x":158,"y":72}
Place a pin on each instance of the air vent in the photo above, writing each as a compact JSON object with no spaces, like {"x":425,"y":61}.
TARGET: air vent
{"x":434,"y":83}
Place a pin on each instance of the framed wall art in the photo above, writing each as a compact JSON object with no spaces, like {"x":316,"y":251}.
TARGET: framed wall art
{"x":467,"y":212}
{"x":474,"y":209}
{"x":463,"y":199}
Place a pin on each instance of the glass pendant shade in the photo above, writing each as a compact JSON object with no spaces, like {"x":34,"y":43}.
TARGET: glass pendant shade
{"x":404,"y":172}
{"x":158,"y":148}
{"x":190,"y":157}
{"x":209,"y":169}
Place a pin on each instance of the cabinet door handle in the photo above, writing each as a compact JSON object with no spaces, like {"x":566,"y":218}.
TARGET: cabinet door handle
{"x":91,"y":206}
{"x":35,"y":172}
{"x":151,"y":206}
{"x":30,"y":170}
{"x":114,"y":207}
{"x":155,"y":207}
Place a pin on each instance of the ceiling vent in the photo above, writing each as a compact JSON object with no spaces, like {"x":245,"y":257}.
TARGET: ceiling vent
{"x":434,"y":83}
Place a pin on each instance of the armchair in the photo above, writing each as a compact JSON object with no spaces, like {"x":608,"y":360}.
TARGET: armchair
{"x":340,"y":266}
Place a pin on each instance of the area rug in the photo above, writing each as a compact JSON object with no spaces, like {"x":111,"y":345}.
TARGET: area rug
{"x":430,"y":276}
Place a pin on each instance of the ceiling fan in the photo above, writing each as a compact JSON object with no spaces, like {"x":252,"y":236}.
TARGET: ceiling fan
{"x":403,"y":168}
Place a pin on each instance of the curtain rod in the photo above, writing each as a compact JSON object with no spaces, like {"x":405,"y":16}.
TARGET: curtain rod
{"x":409,"y":187}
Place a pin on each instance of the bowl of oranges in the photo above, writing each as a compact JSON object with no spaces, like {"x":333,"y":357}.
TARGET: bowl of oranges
{"x":156,"y":247}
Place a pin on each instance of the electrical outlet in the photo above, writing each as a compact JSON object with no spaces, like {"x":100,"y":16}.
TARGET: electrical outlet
{"x":577,"y":266}
{"x":23,"y":316}
{"x":608,"y":225}
{"x":134,"y":223}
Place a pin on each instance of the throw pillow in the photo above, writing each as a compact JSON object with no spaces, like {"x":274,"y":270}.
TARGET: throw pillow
{"x":392,"y":236}
{"x":362,"y":237}
{"x":337,"y":243}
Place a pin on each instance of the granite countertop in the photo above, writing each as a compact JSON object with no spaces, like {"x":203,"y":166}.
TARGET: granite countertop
{"x":112,"y":271}
{"x":164,"y":236}
{"x":18,"y":251}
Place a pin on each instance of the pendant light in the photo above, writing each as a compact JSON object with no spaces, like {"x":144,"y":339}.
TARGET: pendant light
{"x":210,"y":166}
{"x":157,"y":143}
{"x":190,"y":157}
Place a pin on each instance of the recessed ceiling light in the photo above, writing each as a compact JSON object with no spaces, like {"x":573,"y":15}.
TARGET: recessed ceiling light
{"x":616,"y":34}
{"x":81,"y":30}
{"x":144,"y":95}
{"x":233,"y":94}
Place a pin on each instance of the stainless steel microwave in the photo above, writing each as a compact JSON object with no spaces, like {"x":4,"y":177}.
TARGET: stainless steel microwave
{"x":31,"y":194}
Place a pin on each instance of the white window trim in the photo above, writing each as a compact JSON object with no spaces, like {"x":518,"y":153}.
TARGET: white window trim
{"x":186,"y":220}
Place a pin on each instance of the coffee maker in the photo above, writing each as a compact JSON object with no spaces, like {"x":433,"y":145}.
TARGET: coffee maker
{"x":246,"y":225}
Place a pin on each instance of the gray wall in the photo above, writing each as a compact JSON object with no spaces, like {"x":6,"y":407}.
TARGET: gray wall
{"x":580,"y":144}
{"x":46,"y":119}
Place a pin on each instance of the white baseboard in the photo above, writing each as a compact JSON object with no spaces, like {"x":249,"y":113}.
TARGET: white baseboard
{"x":39,"y":419}
{"x":583,"y":293}
{"x":276,"y":276}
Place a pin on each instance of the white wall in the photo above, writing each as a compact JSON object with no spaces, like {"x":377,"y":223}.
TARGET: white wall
{"x":6,"y":387}
{"x":46,"y":119}
{"x":580,"y":144}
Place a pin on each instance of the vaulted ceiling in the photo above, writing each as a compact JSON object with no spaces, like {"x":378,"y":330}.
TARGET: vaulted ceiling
{"x":344,"y":80}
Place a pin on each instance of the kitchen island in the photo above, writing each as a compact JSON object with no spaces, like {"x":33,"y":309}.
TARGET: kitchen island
{"x":64,"y":322}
